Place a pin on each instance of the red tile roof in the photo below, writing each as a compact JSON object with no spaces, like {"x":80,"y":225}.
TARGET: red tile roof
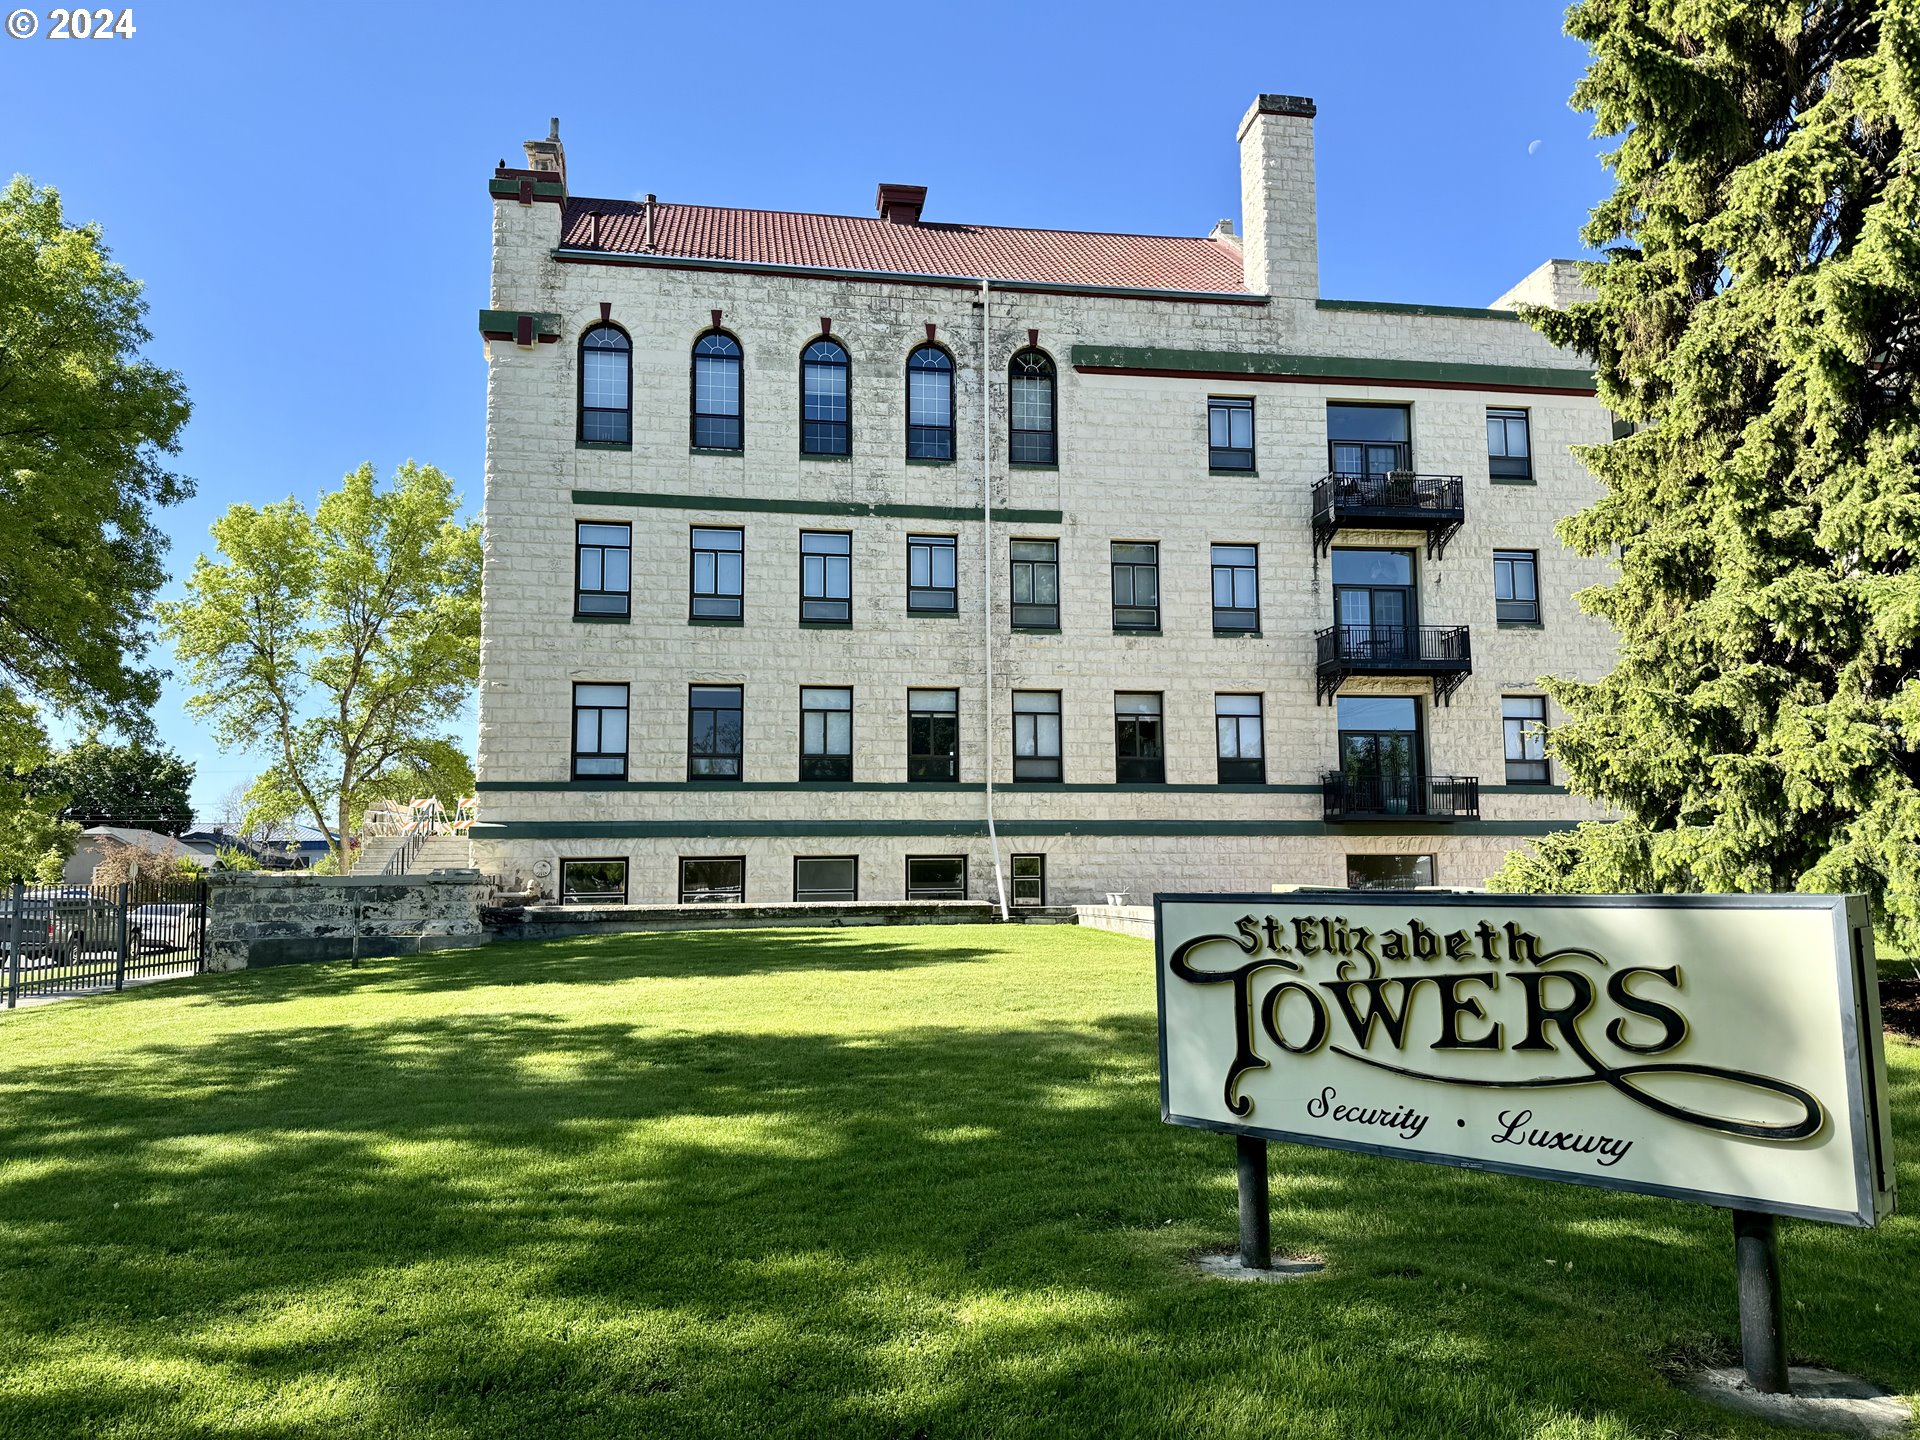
{"x":850,"y":242}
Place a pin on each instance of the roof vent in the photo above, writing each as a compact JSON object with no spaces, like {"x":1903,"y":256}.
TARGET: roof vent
{"x":901,"y":203}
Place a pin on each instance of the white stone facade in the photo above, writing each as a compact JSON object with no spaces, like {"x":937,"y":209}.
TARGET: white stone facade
{"x":1133,"y":465}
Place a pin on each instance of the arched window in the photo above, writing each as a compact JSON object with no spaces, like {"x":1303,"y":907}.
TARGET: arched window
{"x":930,"y":404}
{"x":1031,"y":438}
{"x":716,"y":392}
{"x":825,"y":422}
{"x":606,"y":391}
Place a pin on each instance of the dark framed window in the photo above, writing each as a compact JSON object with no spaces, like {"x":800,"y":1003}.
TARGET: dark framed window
{"x":1381,"y":759}
{"x":1136,"y":585}
{"x":602,"y":568}
{"x":933,"y":735}
{"x":717,"y":399}
{"x":1031,"y":436}
{"x":1029,"y":879}
{"x":1240,"y":739}
{"x":1389,"y":872}
{"x":606,"y":385}
{"x":599,"y":732}
{"x":932,"y":573}
{"x":826,"y":576}
{"x":716,"y":732}
{"x":1516,"y":586}
{"x":936,"y":877}
{"x":1036,"y":735}
{"x":826,"y":877}
{"x":1509,"y":446}
{"x":1236,"y":588}
{"x":930,"y":404}
{"x":826,"y":733}
{"x":826,"y":390}
{"x":1369,"y":440}
{"x":718,"y":574}
{"x":1036,"y":584}
{"x":1524,"y":717}
{"x":593,"y":882}
{"x":1139,"y":739}
{"x":1373,"y":603}
{"x":1229,"y":434}
{"x":713,"y":879}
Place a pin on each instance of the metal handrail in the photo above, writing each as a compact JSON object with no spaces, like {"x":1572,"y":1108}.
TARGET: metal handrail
{"x":1393,"y":644}
{"x":404,"y":854}
{"x":1432,"y":797}
{"x":1400,"y":491}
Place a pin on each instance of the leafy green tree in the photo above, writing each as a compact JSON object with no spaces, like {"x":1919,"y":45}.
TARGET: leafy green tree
{"x":129,"y":784}
{"x":1757,"y":315}
{"x":86,"y":425}
{"x":338,"y":642}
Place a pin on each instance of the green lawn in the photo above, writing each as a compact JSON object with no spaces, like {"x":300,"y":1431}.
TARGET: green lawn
{"x":888,"y":1183}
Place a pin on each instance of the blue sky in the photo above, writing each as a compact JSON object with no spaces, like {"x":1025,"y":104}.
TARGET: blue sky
{"x":303,"y":187}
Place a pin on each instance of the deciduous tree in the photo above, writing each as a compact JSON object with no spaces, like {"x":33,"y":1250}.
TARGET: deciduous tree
{"x":339,"y":643}
{"x":1757,"y":315}
{"x":129,"y":784}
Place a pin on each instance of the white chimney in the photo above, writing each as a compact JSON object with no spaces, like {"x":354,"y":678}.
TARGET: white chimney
{"x":1280,"y":243}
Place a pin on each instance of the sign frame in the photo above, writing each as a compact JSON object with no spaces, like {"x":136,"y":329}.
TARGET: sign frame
{"x":1863,"y":1055}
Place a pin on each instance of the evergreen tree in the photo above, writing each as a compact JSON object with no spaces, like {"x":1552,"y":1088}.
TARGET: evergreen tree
{"x":1758,"y":319}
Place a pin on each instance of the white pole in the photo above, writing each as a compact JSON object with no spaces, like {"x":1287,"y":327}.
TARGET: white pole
{"x":986,"y":582}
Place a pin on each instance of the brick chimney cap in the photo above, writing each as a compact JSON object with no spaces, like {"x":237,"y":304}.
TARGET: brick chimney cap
{"x":900,"y":203}
{"x":1298,"y":106}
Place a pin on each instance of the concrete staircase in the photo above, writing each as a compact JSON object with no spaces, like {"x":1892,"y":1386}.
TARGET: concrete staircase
{"x":438,"y":852}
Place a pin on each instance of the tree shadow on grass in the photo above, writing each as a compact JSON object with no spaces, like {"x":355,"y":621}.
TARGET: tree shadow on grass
{"x":511,"y":1224}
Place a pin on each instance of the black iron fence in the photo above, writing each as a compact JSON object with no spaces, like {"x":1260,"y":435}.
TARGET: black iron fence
{"x":78,"y":939}
{"x":1397,"y":493}
{"x":1359,"y":646}
{"x":1428,"y":797}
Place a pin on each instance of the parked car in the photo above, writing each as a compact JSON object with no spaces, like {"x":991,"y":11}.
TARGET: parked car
{"x":60,"y":926}
{"x":164,"y":926}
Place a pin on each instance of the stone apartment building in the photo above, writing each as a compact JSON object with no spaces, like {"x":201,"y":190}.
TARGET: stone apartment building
{"x":834,"y":556}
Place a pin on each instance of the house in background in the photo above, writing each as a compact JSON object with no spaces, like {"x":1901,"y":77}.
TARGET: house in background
{"x":87,"y":855}
{"x":284,"y":847}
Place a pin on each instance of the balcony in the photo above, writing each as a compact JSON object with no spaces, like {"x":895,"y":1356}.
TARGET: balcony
{"x":1426,"y":798}
{"x":1387,"y":499}
{"x":1442,"y":652}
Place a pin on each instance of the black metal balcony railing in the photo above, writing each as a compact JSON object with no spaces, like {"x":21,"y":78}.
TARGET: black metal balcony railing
{"x":1444,"y":652}
{"x":1391,"y":500}
{"x":1418,"y":797}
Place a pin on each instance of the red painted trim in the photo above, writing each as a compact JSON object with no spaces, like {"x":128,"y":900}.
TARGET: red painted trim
{"x":1239,"y":376}
{"x":1027,"y":287}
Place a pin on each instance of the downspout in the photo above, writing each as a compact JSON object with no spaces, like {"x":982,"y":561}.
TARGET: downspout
{"x":986,"y":580}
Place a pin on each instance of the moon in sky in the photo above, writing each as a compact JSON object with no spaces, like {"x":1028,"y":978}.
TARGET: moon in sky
{"x":1532,"y":146}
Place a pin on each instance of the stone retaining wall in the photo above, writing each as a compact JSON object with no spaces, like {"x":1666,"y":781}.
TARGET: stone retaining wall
{"x":547,"y":922}
{"x":1121,"y":919}
{"x":257,"y":918}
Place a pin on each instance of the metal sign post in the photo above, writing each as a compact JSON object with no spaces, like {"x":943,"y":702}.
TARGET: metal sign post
{"x":1256,"y":1231}
{"x":1763,"y":1339}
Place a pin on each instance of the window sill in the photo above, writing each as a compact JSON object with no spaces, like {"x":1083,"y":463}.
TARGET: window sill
{"x":913,"y":461}
{"x":715,"y":620}
{"x":713,"y":779}
{"x":1135,"y":630}
{"x":1519,"y":625}
{"x":603,"y":445}
{"x":713,"y":450}
{"x":1036,"y":629}
{"x":1231,"y":470}
{"x":1220,"y":634}
{"x":1031,"y":465}
{"x":1511,"y":480}
{"x":603,"y":619}
{"x":933,"y":614}
{"x":599,"y":780}
{"x":828,"y":459}
{"x":826,"y":624}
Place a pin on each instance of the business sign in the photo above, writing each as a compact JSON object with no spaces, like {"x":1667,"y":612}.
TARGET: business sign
{"x":1724,"y":1049}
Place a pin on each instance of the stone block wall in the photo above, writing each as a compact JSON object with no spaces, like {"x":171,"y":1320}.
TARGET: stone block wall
{"x":267,"y":918}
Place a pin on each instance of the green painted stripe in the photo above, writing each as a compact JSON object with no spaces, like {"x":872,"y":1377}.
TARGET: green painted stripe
{"x":856,"y":509}
{"x":828,"y":787}
{"x":749,"y":829}
{"x":1524,"y":790}
{"x":496,"y":321}
{"x":1395,"y":307}
{"x":510,"y":189}
{"x":1252,"y":365}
